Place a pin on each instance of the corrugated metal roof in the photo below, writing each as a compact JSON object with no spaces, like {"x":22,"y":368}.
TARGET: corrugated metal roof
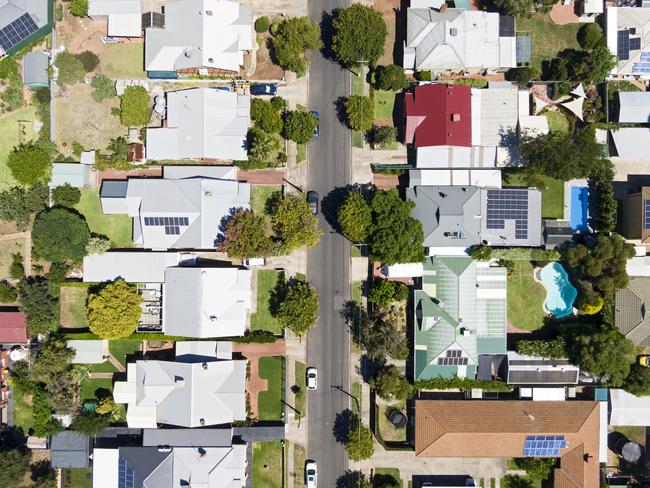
{"x":35,"y":67}
{"x":114,"y":189}
{"x":70,"y":450}
{"x":524,"y":48}
{"x":187,"y":437}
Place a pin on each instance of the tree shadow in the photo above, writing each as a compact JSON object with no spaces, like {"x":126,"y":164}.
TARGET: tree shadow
{"x":42,"y":470}
{"x":350,"y":479}
{"x":384,"y":480}
{"x":342,"y":425}
{"x":327,"y":34}
{"x":339,"y":105}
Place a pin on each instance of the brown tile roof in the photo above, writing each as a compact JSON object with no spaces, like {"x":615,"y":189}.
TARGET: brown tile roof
{"x":472,"y":428}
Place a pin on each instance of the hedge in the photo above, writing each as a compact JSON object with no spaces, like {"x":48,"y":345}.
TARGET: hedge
{"x":516,"y":253}
{"x":456,"y":383}
{"x":547,"y":348}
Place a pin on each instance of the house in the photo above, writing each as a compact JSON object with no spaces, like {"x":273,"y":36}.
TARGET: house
{"x":636,"y":216}
{"x":184,"y":393}
{"x":207,"y":37}
{"x":89,"y":351}
{"x":182,"y":210}
{"x":458,"y":39}
{"x":131,"y":266}
{"x":464,"y":216}
{"x":202,"y":123}
{"x":70,"y":449}
{"x":628,"y":37}
{"x":627,"y":409}
{"x":123,"y":17}
{"x":530,"y":370}
{"x":630,"y":315}
{"x":460,"y":314}
{"x":569,"y":430}
{"x":633,"y":107}
{"x":35,"y":70}
{"x":13,"y":328}
{"x":73,"y":174}
{"x":23,"y":22}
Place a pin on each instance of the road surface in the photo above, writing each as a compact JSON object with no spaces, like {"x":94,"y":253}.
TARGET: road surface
{"x":328,"y":265}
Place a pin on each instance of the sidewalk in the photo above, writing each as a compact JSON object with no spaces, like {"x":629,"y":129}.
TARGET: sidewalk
{"x":295,"y":427}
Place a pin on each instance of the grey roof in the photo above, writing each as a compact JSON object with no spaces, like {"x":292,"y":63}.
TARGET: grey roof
{"x":87,"y":351}
{"x":530,"y":370}
{"x":524,"y":48}
{"x":114,"y":188}
{"x":632,"y":142}
{"x":497,"y":108}
{"x":132,"y":266}
{"x":74,"y":174}
{"x":634,"y":107}
{"x":35,"y":69}
{"x":259,"y":433}
{"x":10,"y":10}
{"x":70,"y":450}
{"x":187,"y":437}
{"x":631,"y":316}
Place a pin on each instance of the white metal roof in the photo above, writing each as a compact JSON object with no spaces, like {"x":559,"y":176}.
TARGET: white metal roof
{"x":105,"y":468}
{"x":132,"y":266}
{"x":87,"y":351}
{"x":124,"y":16}
{"x":456,"y":157}
{"x":634,"y":107}
{"x":486,"y":177}
{"x":628,"y":410}
{"x":632,"y":142}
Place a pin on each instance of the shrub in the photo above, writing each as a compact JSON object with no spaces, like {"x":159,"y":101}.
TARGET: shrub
{"x":591,"y":308}
{"x":66,"y":195}
{"x":262,"y":24}
{"x":29,"y":164}
{"x":423,"y":75}
{"x":279,"y":104}
{"x":522,"y":75}
{"x":264,"y":147}
{"x":57,"y":272}
{"x":266,"y":116}
{"x":589,"y":35}
{"x":382,"y":292}
{"x":71,"y":70}
{"x":104,"y":88}
{"x":547,"y":348}
{"x":299,"y":126}
{"x":40,"y":307}
{"x":524,"y":254}
{"x":465,"y":384}
{"x":8,"y":68}
{"x":97,"y":245}
{"x":13,"y":94}
{"x":383,"y":136}
{"x":44,"y":424}
{"x":114,"y":311}
{"x":90,"y":424}
{"x":390,"y":77}
{"x":8,"y":293}
{"x":16,"y":269}
{"x":391,"y":384}
{"x":60,"y":235}
{"x":88,"y":59}
{"x":135,"y":107}
{"x":360,"y":112}
{"x":482,"y":253}
{"x":78,"y":8}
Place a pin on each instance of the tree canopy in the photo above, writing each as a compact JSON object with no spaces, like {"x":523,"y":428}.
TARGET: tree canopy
{"x":78,"y":8}
{"x":380,"y":337}
{"x":71,"y":69}
{"x":589,"y":35}
{"x":360,"y":112}
{"x":359,"y":35}
{"x":66,"y":195}
{"x":355,"y":217}
{"x":390,"y":77}
{"x":103,"y":88}
{"x":299,"y":126}
{"x":29,"y":164}
{"x":8,"y":293}
{"x":264,"y":147}
{"x":60,"y":235}
{"x":135,"y":107}
{"x":14,"y":465}
{"x":638,"y":381}
{"x":266,"y":116}
{"x":40,"y":307}
{"x":391,"y":384}
{"x":18,"y":204}
{"x":359,"y":443}
{"x":298,"y":309}
{"x":114,"y":311}
{"x":293,"y":223}
{"x":245,"y":236}
{"x":292,"y":39}
{"x":90,"y":424}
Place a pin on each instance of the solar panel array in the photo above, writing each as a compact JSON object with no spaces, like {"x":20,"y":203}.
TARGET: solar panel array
{"x":646,"y":214}
{"x":172,"y":224}
{"x":643,"y":66}
{"x":453,"y":358}
{"x":544,"y":445}
{"x":125,"y":475}
{"x":635,"y":44}
{"x":19,"y":30}
{"x":623,"y":44}
{"x":505,"y":205}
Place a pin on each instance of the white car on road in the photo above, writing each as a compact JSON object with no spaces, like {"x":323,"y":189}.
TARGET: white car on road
{"x":311,"y":474}
{"x":312,"y":378}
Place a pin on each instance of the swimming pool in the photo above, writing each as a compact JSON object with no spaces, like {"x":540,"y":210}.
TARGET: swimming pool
{"x":560,"y":293}
{"x":579,"y":207}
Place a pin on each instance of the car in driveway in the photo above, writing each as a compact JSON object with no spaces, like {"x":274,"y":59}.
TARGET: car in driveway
{"x":264,"y":89}
{"x":312,"y":201}
{"x":316,"y":132}
{"x":644,"y":360}
{"x":311,"y":474}
{"x":312,"y":378}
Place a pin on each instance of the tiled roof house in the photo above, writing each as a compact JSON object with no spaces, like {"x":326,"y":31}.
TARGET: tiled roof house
{"x":631,"y":316}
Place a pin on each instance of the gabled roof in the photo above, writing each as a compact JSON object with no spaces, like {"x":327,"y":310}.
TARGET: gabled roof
{"x":13,"y":328}
{"x":124,"y":16}
{"x":634,"y":107}
{"x":468,"y":428}
{"x":70,"y":450}
{"x":632,"y":142}
{"x":632,"y":304}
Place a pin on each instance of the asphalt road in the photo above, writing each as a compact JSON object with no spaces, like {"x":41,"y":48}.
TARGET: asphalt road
{"x":328,"y":265}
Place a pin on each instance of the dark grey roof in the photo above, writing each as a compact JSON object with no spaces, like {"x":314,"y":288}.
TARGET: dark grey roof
{"x":144,"y":461}
{"x":114,"y":189}
{"x":187,"y":437}
{"x":506,"y":26}
{"x":524,"y":48}
{"x":70,"y":450}
{"x":531,"y":377}
{"x":489,"y":366}
{"x":256,"y":434}
{"x":35,"y":69}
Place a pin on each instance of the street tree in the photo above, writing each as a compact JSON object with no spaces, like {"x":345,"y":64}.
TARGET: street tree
{"x":360,"y":112}
{"x":29,"y":164}
{"x":292,"y":39}
{"x":245,"y":236}
{"x":298,"y":309}
{"x":299,"y":126}
{"x":293,"y":223}
{"x":60,"y":235}
{"x":359,"y":445}
{"x":355,"y":217}
{"x":114,"y":311}
{"x":359,"y":35}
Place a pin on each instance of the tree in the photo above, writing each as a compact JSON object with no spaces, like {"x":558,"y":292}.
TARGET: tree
{"x":60,"y":235}
{"x":590,"y":307}
{"x":590,"y":66}
{"x":8,"y":293}
{"x":299,"y":126}
{"x":557,"y":70}
{"x":8,"y":68}
{"x":385,"y":481}
{"x":66,"y":195}
{"x":88,"y":59}
{"x":135,"y":107}
{"x":482,"y":253}
{"x":391,"y":384}
{"x":44,"y":424}
{"x":536,"y":468}
{"x":14,"y":465}
{"x":518,"y":8}
{"x":262,"y":24}
{"x":114,"y":311}
{"x":97,"y":245}
{"x":266,"y":116}
{"x":522,"y":75}
{"x":29,"y":164}
{"x":263,"y":147}
{"x":245,"y":236}
{"x":383,"y":136}
{"x":606,"y":354}
{"x":638,"y":381}
{"x":360,"y":112}
{"x":589,"y":35}
{"x":103,"y":88}
{"x":390,"y":77}
{"x":379,"y":337}
{"x":90,"y":424}
{"x":57,"y":273}
{"x":20,"y":376}
{"x":78,"y":8}
{"x":359,"y":443}
{"x":516,"y":481}
{"x":40,"y":307}
{"x":107,"y":406}
{"x":355,"y":217}
{"x":395,"y":236}
{"x":359,"y":35}
{"x":382,"y":292}
{"x":293,"y":223}
{"x":71,"y":70}
{"x":298,"y":310}
{"x":292,"y":39}
{"x":17,"y":268}
{"x":607,"y":206}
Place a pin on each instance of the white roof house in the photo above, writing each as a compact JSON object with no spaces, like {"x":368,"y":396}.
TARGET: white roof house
{"x":200,"y":34}
{"x":202,"y":123}
{"x":124,"y":17}
{"x":632,"y":142}
{"x":131,"y":266}
{"x":628,"y":409}
{"x":628,"y":37}
{"x":88,"y":351}
{"x":634,"y":107}
{"x":206,"y":302}
{"x":451,"y":39}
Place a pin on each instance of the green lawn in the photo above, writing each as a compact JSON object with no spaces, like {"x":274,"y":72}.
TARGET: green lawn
{"x":77,"y":478}
{"x":73,"y":306}
{"x":472,"y":82}
{"x":384,"y":102}
{"x":616,"y":86}
{"x":299,"y":459}
{"x":105,"y":367}
{"x":548,"y":38}
{"x":387,"y":429}
{"x":552,"y":195}
{"x":557,"y":121}
{"x":525,"y":298}
{"x":301,"y":396}
{"x":356,"y":393}
{"x":268,"y":470}
{"x":357,"y":139}
{"x":122,"y":348}
{"x":116,"y":227}
{"x":301,"y":153}
{"x":385,"y":472}
{"x":357,"y":85}
{"x":261,"y":319}
{"x":89,"y":386}
{"x":10,"y":130}
{"x":260,"y":195}
{"x":269,"y":402}
{"x":22,"y":410}
{"x":123,"y":60}
{"x":356,"y":292}
{"x":636,"y":434}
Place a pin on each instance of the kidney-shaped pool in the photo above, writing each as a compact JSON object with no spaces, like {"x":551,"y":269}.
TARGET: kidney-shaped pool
{"x":560,"y":293}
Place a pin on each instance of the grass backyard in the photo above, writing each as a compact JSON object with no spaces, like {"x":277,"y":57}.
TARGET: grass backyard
{"x":77,"y":478}
{"x":301,"y":396}
{"x":73,"y":306}
{"x":10,"y":128}
{"x":22,"y":409}
{"x":7,"y":248}
{"x":122,"y":348}
{"x":260,"y":195}
{"x":90,"y":386}
{"x":116,"y":227}
{"x":384,"y":102}
{"x":548,"y":38}
{"x":382,"y":474}
{"x":387,"y":429}
{"x":552,"y":195}
{"x":123,"y":60}
{"x":268,"y":470}
{"x":557,"y":121}
{"x":269,"y":402}
{"x":261,"y":319}
{"x":525,"y":298}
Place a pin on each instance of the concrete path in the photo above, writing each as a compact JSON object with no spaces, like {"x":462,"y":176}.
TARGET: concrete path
{"x":97,"y":376}
{"x":116,"y":363}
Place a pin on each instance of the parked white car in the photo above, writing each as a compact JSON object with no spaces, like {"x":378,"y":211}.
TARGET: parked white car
{"x":312,"y":378}
{"x":311,"y":474}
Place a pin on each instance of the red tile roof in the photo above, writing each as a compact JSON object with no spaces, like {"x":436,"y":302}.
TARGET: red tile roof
{"x":13,"y":328}
{"x":439,"y":115}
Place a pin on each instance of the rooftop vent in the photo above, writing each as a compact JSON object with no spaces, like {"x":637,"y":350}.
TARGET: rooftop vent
{"x":213,"y":318}
{"x":208,"y":12}
{"x":179,"y":382}
{"x":455,"y":117}
{"x":204,"y":365}
{"x":453,"y":32}
{"x":443,"y":8}
{"x":188,"y":54}
{"x":210,"y":60}
{"x":202,"y":421}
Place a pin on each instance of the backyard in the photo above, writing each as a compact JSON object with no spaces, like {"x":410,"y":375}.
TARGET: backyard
{"x":269,"y":402}
{"x":552,"y":195}
{"x":11,"y":126}
{"x":268,"y":460}
{"x":124,"y":348}
{"x":89,"y":387}
{"x":123,"y":60}
{"x":77,"y":478}
{"x":548,"y":38}
{"x":525,"y":298}
{"x":262,"y":320}
{"x":116,"y":227}
{"x":73,"y":306}
{"x":22,"y":409}
{"x":557,"y":121}
{"x":9,"y":246}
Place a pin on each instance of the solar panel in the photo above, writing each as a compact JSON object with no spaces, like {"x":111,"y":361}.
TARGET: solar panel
{"x":172,"y":224}
{"x":623,"y":44}
{"x":635,"y":44}
{"x":544,"y":445}
{"x":17,"y":31}
{"x":505,"y":205}
{"x":646,"y":212}
{"x":125,"y":475}
{"x":453,"y":358}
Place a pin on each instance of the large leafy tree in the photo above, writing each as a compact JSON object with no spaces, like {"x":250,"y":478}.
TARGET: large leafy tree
{"x":71,"y":69}
{"x":114,"y":311}
{"x":91,"y":424}
{"x":359,"y":35}
{"x":298,"y":309}
{"x":638,"y":381}
{"x":391,"y":384}
{"x":18,"y":204}
{"x":589,"y":35}
{"x":299,"y":126}
{"x":360,"y":112}
{"x":380,"y":337}
{"x":291,"y":41}
{"x":60,"y":235}
{"x":263,"y":146}
{"x":245,"y":236}
{"x":390,"y":77}
{"x":14,"y":465}
{"x":359,"y":443}
{"x":135,"y":107}
{"x":29,"y":164}
{"x":293,"y":223}
{"x":590,"y":66}
{"x":355,"y":217}
{"x":266,"y":116}
{"x":395,"y":236}
{"x":40,"y":307}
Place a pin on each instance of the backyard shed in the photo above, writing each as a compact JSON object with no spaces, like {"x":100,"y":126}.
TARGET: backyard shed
{"x":74,"y":174}
{"x":35,"y":70}
{"x":70,"y":450}
{"x":87,"y":352}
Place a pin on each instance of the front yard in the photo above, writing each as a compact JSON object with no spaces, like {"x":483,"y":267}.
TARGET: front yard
{"x":262,"y":320}
{"x":270,"y":402}
{"x":260,"y":195}
{"x":525,"y":298}
{"x":116,"y":227}
{"x":11,"y":127}
{"x":268,"y":464}
{"x":548,"y":38}
{"x":388,"y":431}
{"x":383,"y":477}
{"x":384,"y":102}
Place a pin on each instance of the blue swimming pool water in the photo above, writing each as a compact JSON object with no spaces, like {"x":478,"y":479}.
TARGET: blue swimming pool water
{"x":579,"y":207}
{"x":560,"y":293}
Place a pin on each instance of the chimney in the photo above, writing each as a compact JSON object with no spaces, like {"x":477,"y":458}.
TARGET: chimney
{"x":188,"y":54}
{"x":208,"y":12}
{"x":455,"y":117}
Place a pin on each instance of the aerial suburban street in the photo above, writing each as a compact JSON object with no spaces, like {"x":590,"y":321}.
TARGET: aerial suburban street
{"x":328,"y":265}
